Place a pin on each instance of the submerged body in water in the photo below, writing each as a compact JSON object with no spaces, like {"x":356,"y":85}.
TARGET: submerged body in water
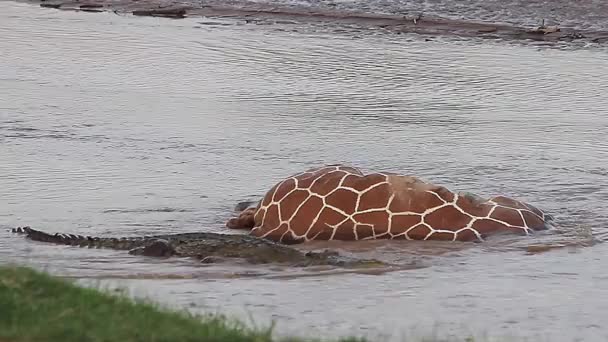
{"x":334,"y":202}
{"x":339,"y":202}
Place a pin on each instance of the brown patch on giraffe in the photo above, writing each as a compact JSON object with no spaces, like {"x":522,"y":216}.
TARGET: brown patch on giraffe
{"x":268,"y":197}
{"x":306,"y":181}
{"x":509,"y":202}
{"x":279,"y":232}
{"x":272,"y":216}
{"x":375,"y":198}
{"x":327,"y":183}
{"x":305,"y":216}
{"x":364,"y":231}
{"x":282,"y":190}
{"x":448,"y":218}
{"x":484,"y":209}
{"x":288,"y":238}
{"x":324,"y":225}
{"x":508,"y":215}
{"x":534,"y":209}
{"x":383,"y":236}
{"x":410,"y":200}
{"x":343,"y":199}
{"x":487,"y":226}
{"x":419,"y":232}
{"x":377,"y":218}
{"x":401,"y":223}
{"x":330,"y":217}
{"x":259,"y":215}
{"x":399,"y":237}
{"x":484,"y":226}
{"x":443,"y":192}
{"x":360,"y":183}
{"x":291,"y":202}
{"x":272,"y":232}
{"x":533,"y":221}
{"x":323,"y":233}
{"x":346,"y":231}
{"x":441,"y":236}
{"x":473,"y":206}
{"x":466,"y":235}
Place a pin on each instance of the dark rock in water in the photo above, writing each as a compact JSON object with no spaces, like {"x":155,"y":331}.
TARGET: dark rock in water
{"x":50,"y":5}
{"x":91,"y":8}
{"x":600,"y":39}
{"x":164,"y":12}
{"x":487,"y":29}
{"x":84,"y":6}
{"x":244,"y":205}
{"x":211,"y":260}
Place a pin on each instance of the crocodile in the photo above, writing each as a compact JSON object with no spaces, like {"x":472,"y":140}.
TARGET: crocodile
{"x":206,"y":247}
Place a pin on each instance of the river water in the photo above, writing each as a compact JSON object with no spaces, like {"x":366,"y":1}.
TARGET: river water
{"x":114,"y":125}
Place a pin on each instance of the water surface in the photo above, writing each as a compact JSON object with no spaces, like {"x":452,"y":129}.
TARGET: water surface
{"x":115,"y":125}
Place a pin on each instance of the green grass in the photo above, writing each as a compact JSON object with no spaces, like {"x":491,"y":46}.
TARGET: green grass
{"x":35,"y":306}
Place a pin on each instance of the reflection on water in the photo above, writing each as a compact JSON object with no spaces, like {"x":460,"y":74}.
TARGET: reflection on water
{"x":127,"y":126}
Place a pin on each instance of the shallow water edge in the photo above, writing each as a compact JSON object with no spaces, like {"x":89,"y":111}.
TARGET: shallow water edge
{"x":265,"y":13}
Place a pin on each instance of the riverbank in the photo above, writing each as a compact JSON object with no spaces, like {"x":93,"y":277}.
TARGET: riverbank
{"x":270,"y":13}
{"x":39,"y":307}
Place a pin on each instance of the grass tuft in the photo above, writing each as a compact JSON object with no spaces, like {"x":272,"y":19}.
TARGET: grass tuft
{"x":35,"y":306}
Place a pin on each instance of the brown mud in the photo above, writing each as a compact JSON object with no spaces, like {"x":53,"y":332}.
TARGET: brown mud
{"x":257,"y":13}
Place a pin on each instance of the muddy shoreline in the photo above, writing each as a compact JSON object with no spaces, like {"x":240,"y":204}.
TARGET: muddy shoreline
{"x":258,"y":13}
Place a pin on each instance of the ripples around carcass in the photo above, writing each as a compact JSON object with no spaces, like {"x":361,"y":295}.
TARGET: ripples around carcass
{"x":130,"y":126}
